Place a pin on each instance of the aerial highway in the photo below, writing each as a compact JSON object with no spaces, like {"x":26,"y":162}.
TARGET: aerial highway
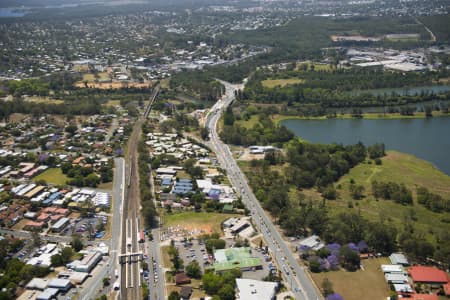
{"x":295,"y":275}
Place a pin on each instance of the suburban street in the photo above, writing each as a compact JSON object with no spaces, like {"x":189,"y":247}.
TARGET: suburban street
{"x":295,"y":276}
{"x":107,"y":269}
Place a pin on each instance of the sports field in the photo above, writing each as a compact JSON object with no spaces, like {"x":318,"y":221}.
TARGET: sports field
{"x":53,"y":175}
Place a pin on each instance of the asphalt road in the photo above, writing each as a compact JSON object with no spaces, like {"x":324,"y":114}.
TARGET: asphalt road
{"x":107,"y":269}
{"x":156,"y":281}
{"x":295,"y":275}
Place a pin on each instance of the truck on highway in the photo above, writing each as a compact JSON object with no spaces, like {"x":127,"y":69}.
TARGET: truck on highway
{"x":129,"y":242}
{"x":116,"y":285}
{"x":116,"y":273}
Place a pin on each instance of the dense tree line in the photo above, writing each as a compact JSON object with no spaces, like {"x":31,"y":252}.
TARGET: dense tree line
{"x":438,"y":24}
{"x":38,"y":109}
{"x":148,"y":206}
{"x":341,"y":88}
{"x":42,"y":86}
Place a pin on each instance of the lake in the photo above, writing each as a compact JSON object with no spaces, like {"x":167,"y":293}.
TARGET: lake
{"x":428,"y":139}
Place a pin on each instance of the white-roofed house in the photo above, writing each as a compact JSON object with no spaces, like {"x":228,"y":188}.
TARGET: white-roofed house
{"x":399,"y":259}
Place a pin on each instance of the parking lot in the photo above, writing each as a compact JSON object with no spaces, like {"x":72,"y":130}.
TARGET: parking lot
{"x":195,"y":250}
{"x":81,"y":226}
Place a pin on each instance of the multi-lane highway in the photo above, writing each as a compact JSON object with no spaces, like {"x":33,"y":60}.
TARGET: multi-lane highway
{"x":295,"y":275}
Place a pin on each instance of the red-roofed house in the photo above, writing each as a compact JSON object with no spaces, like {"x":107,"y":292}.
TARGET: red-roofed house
{"x":424,"y":297}
{"x":31,"y":225}
{"x":49,"y":210}
{"x":43,"y":217}
{"x":55,"y":218}
{"x":429,"y":275}
{"x":62,"y":211}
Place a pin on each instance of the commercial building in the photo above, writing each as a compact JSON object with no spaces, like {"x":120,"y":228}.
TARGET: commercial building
{"x":235,"y":258}
{"x":398,"y":259}
{"x":312,"y":242}
{"x":429,"y":275}
{"x":60,"y":284}
{"x":249,"y":289}
{"x":89,"y":261}
{"x":393,"y":269}
{"x":37,"y":284}
{"x":48,"y":294}
{"x":396,"y":278}
{"x":60,"y":225}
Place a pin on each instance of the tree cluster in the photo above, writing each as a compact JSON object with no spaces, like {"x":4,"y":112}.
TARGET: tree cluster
{"x":221,"y":286}
{"x":14,"y":271}
{"x":197,"y":83}
{"x":263,"y":133}
{"x":80,"y":176}
{"x":431,"y":201}
{"x":399,"y":193}
{"x":148,"y":207}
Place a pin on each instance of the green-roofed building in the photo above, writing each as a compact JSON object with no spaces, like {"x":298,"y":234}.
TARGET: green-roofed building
{"x":235,"y":258}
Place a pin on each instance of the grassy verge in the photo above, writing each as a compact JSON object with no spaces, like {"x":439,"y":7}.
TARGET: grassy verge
{"x":53,"y":175}
{"x":167,"y":263}
{"x":360,"y":284}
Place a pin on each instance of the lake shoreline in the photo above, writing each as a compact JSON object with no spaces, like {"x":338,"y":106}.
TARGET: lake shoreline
{"x":368,"y":116}
{"x":421,"y":137}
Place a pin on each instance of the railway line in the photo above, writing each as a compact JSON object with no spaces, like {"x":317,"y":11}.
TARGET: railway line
{"x":131,"y":248}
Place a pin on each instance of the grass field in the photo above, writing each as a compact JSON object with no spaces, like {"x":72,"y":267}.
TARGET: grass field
{"x":112,"y":103}
{"x":53,"y":175}
{"x":209,"y":222}
{"x":254,"y":119}
{"x":395,"y":166}
{"x":91,"y":77}
{"x":43,"y":100}
{"x":317,"y":67}
{"x":271,"y":83}
{"x":106,"y":186}
{"x":362,"y":284}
